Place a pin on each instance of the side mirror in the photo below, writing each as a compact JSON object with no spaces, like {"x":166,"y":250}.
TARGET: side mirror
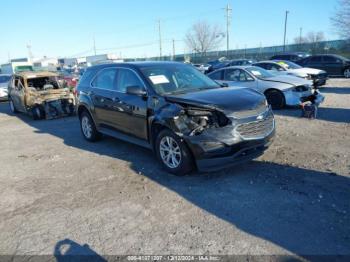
{"x":224,"y":85}
{"x":136,"y":90}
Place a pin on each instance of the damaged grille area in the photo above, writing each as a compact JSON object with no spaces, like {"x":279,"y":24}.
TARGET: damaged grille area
{"x":258,"y":129}
{"x":254,"y":112}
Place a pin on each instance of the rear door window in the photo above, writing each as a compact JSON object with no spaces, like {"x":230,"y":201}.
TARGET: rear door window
{"x":315,"y":59}
{"x":237,"y":75}
{"x":127,"y":78}
{"x":105,"y":79}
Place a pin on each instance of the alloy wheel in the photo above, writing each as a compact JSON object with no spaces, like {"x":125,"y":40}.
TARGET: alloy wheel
{"x":170,"y":152}
{"x":86,"y":127}
{"x":347,"y":73}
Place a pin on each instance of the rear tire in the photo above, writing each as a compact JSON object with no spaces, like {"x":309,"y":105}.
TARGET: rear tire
{"x":12,"y":106}
{"x":173,"y":153}
{"x":347,"y":73}
{"x":88,"y":128}
{"x":276,"y":99}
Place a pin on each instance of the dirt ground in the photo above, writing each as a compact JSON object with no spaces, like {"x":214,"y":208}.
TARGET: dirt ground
{"x":57,"y":190}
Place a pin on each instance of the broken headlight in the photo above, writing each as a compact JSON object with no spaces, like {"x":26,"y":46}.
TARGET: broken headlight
{"x":301,"y":89}
{"x":199,"y":120}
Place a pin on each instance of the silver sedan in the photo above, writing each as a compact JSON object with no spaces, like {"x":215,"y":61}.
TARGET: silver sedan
{"x":280,"y":90}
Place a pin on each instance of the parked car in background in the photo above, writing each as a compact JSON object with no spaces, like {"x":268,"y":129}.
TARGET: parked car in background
{"x":319,"y":77}
{"x":241,"y":62}
{"x":293,"y":57}
{"x":188,"y":119}
{"x":40,"y":95}
{"x":280,"y":68}
{"x":204,"y":68}
{"x":4,"y":81}
{"x":228,"y":63}
{"x":280,"y":90}
{"x":334,"y":65}
{"x":71,"y":79}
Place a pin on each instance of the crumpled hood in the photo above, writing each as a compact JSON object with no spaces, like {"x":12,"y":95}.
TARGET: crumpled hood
{"x":290,"y":80}
{"x":309,"y":71}
{"x":226,"y":100}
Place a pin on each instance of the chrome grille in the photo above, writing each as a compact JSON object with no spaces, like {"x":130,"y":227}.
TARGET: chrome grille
{"x":257,"y":129}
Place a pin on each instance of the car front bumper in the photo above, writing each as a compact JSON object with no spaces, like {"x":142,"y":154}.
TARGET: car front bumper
{"x":320,"y":80}
{"x":297,"y":98}
{"x":219,"y":148}
{"x":3,"y":94}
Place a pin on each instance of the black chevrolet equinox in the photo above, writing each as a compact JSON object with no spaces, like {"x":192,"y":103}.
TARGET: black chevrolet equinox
{"x":187,"y":119}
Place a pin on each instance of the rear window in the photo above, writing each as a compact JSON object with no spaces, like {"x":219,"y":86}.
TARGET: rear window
{"x":87,"y":77}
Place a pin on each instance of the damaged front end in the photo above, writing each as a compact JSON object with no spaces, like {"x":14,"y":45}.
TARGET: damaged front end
{"x":218,"y":139}
{"x":50,"y":104}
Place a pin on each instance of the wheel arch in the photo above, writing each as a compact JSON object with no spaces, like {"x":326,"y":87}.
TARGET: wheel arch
{"x":272,"y":89}
{"x":155,"y":128}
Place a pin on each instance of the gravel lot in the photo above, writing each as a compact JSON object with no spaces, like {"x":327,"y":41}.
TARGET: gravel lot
{"x":114,"y":197}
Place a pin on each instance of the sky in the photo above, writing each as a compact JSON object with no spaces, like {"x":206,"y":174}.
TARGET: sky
{"x":129,"y":28}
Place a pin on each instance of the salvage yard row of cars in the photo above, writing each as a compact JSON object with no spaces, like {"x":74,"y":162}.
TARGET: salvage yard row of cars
{"x":190,"y":120}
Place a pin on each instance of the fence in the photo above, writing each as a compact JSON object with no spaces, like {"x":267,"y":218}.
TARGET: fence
{"x":340,"y":47}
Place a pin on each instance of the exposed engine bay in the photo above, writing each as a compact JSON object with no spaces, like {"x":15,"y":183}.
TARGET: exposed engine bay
{"x":191,"y":121}
{"x":47,"y":98}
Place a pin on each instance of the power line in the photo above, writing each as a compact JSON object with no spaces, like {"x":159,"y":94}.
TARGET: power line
{"x":127,"y":47}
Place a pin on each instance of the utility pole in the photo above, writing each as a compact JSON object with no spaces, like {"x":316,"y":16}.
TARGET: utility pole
{"x":173,"y":49}
{"x":285,"y":31}
{"x":30,"y":54}
{"x":160,"y":40}
{"x":228,"y":15}
{"x":301,"y":35}
{"x":94,"y":45}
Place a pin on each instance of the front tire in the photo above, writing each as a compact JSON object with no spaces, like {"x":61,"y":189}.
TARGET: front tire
{"x":88,"y":128}
{"x":276,"y":99}
{"x":38,"y":113}
{"x":173,"y":153}
{"x":347,"y":73}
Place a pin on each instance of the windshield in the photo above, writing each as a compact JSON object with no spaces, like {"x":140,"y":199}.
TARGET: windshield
{"x":259,"y":72}
{"x":175,"y":79}
{"x":4,"y":79}
{"x":288,"y":64}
